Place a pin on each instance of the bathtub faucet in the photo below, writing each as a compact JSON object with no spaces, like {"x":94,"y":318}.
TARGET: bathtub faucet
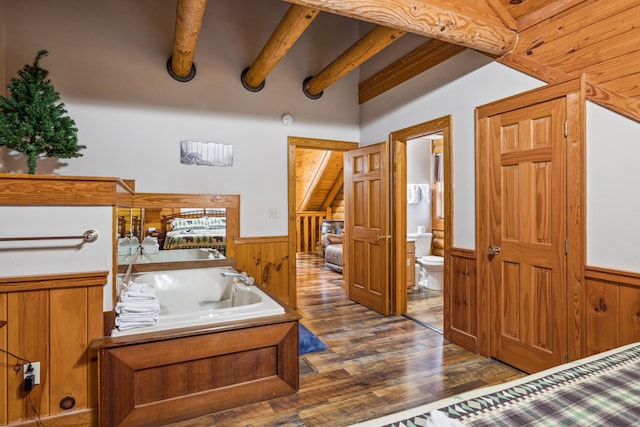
{"x":247,"y":280}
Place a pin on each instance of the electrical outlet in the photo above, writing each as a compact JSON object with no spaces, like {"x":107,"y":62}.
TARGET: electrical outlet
{"x":36,"y":371}
{"x":274,"y":213}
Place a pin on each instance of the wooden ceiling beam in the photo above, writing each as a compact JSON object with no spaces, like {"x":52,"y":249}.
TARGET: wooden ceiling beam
{"x":293,"y":24}
{"x":419,"y":60}
{"x":434,"y":19}
{"x":507,"y":19}
{"x":335,"y":189}
{"x":369,"y":45}
{"x":188,"y":22}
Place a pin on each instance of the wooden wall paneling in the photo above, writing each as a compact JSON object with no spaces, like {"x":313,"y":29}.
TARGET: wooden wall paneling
{"x":95,"y":328}
{"x":6,"y":362}
{"x":29,"y":338}
{"x":68,"y":374}
{"x":464,"y":299}
{"x":629,"y":324}
{"x":601,"y":315}
{"x":51,"y":320}
{"x":266,"y":259}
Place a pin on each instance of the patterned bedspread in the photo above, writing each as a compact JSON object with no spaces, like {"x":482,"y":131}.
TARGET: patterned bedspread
{"x":195,"y":239}
{"x":601,"y":390}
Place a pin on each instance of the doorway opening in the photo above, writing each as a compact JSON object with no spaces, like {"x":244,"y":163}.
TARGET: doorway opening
{"x":305,"y":231}
{"x":422,"y":222}
{"x":425,"y":231}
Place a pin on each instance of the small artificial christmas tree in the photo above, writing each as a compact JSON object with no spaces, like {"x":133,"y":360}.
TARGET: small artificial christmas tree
{"x":30,"y":120}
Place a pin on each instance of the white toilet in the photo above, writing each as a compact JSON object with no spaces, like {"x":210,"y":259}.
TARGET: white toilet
{"x":431,"y":267}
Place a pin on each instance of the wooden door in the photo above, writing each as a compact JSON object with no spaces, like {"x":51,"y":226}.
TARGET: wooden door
{"x":367,"y":244}
{"x":528,"y":235}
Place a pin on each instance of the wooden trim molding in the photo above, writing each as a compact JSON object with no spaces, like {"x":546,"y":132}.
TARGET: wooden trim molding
{"x":463,"y":253}
{"x":56,"y":190}
{"x":612,"y":275}
{"x":51,"y":281}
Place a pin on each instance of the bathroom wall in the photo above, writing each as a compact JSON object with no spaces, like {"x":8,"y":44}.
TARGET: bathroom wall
{"x":454,"y":87}
{"x":108,"y":62}
{"x":613,"y":202}
{"x":419,"y":172}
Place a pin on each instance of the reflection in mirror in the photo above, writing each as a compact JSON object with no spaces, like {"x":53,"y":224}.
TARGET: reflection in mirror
{"x":177,"y":228}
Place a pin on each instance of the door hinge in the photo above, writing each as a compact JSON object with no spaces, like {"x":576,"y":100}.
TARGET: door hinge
{"x":566,"y":358}
{"x":566,"y":246}
{"x":566,"y":129}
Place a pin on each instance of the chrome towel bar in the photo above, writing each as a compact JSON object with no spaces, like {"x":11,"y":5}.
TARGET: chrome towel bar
{"x":87,"y":236}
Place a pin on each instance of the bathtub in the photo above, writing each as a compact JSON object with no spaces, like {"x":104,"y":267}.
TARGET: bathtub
{"x":202,"y":296}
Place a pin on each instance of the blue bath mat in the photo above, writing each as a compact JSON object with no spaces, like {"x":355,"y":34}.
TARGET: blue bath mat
{"x":308,"y":342}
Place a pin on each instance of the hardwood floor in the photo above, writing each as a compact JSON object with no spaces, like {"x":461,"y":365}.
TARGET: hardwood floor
{"x":426,"y":306}
{"x":374,"y":366}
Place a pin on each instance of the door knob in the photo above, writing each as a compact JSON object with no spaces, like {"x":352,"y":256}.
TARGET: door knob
{"x":493,"y":250}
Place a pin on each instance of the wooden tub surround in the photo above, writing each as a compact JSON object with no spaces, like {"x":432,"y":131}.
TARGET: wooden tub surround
{"x":167,"y":376}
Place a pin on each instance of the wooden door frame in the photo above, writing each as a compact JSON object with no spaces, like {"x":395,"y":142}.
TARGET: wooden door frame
{"x":293,"y":143}
{"x":574,"y":91}
{"x":398,"y":143}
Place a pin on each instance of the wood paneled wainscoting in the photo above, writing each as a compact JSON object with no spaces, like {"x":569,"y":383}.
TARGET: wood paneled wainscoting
{"x":462,"y":304}
{"x":267,"y":260}
{"x":51,"y":319}
{"x":611,"y":309}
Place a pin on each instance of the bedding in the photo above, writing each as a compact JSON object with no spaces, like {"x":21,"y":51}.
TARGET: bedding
{"x":192,"y":230}
{"x":191,"y":239}
{"x":595,"y":391}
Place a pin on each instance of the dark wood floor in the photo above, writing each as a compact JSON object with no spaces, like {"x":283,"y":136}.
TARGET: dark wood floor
{"x":426,"y":306}
{"x":374,"y":366}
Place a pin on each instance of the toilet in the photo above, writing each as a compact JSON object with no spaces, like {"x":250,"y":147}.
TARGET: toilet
{"x":429,"y":268}
{"x":432,"y":272}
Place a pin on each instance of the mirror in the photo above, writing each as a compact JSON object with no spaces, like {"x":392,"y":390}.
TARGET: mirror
{"x":177,"y":228}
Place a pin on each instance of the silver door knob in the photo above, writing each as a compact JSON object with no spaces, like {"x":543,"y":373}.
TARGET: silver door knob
{"x":493,"y":250}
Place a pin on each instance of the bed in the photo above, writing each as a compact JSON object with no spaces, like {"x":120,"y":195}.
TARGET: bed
{"x":595,"y":391}
{"x":194,"y":229}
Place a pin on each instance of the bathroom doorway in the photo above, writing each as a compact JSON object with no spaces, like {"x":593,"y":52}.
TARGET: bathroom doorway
{"x":423,"y":220}
{"x":425,"y":230}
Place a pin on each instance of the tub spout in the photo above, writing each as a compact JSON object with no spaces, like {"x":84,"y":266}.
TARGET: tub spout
{"x":247,"y":280}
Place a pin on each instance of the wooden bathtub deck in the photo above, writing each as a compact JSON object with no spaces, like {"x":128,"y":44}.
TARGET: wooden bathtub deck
{"x":374,"y":366}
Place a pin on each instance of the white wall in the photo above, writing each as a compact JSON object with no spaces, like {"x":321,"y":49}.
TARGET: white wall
{"x":613,"y":190}
{"x":455,"y":87}
{"x":108,"y":61}
{"x":3,"y":61}
{"x":419,"y":172}
{"x":30,"y":258}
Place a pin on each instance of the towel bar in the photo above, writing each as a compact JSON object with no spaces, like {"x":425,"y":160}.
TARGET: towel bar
{"x":87,"y":236}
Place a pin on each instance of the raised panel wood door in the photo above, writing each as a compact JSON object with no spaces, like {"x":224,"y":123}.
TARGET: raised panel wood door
{"x":528,"y":232}
{"x":367,"y":242}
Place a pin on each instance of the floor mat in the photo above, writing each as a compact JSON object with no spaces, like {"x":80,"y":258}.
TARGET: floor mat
{"x":308,"y":342}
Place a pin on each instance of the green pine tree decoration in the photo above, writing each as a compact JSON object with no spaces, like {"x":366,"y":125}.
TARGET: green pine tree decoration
{"x":31,"y":122}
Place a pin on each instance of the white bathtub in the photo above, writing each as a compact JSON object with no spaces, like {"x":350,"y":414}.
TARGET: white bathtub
{"x":202,"y":296}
